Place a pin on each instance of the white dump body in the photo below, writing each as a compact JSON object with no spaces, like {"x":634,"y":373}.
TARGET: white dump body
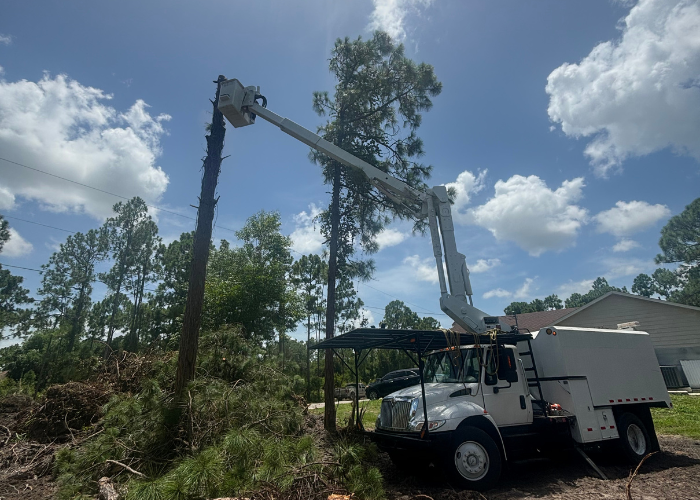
{"x":588,"y":371}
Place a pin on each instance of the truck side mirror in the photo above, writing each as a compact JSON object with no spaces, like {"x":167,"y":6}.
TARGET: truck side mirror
{"x":490,"y":378}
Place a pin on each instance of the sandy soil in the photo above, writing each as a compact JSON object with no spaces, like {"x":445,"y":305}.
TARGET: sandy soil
{"x":674,"y":473}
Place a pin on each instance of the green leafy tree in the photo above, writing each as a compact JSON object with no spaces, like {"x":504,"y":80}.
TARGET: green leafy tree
{"x":552,"y":302}
{"x":665,"y":283}
{"x":643,"y":285}
{"x":250,"y":285}
{"x":374,"y":114}
{"x":72,"y":268}
{"x":12,"y":294}
{"x":680,"y":244}
{"x":600,"y":287}
{"x":309,"y":273}
{"x":125,"y":233}
{"x":171,"y":295}
{"x":516,"y":308}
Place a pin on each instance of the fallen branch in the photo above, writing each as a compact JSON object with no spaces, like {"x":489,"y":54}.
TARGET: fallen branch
{"x":133,"y":471}
{"x":634,"y":474}
{"x":9,"y":432}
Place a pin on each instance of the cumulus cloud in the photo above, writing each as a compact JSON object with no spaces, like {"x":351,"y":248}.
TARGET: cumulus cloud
{"x":16,"y":246}
{"x":498,"y":292}
{"x":483,"y":265}
{"x":390,"y":238}
{"x":466,"y":185}
{"x":5,"y":39}
{"x":7,"y":199}
{"x":620,"y":267}
{"x":524,"y":291}
{"x":307,"y":238}
{"x":423,"y":269}
{"x":582,"y":287}
{"x":625,"y":245}
{"x":390,"y":15}
{"x":65,"y":128}
{"x":524,"y":210}
{"x":626,"y":218}
{"x":637,"y":94}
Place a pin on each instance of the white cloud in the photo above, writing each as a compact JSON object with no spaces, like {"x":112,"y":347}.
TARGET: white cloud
{"x":65,"y":128}
{"x":16,"y":246}
{"x":483,"y":265}
{"x":307,"y":238}
{"x":582,"y":287}
{"x":628,"y":218}
{"x":524,"y":291}
{"x":390,"y":238}
{"x":524,"y":210}
{"x":637,"y":94}
{"x":5,"y":39}
{"x":621,"y":267}
{"x":423,"y":269}
{"x":498,"y":292}
{"x":390,"y":15}
{"x":625,"y":245}
{"x":466,"y":185}
{"x":7,"y":199}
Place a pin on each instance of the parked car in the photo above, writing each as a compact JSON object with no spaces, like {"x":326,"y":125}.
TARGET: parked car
{"x":348,"y":392}
{"x":392,"y":382}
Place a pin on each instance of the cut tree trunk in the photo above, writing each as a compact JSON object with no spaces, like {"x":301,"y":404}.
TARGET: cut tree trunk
{"x":189,"y":339}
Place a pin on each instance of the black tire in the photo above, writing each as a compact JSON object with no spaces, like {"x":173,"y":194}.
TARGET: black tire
{"x":634,"y":443}
{"x":373,"y":394}
{"x":481,"y":468}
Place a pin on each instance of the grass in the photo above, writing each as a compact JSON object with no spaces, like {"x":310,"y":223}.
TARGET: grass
{"x":683,"y":419}
{"x":343,"y":413}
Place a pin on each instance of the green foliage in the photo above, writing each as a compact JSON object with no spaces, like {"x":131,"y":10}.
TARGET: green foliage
{"x":549,"y":303}
{"x":250,"y":285}
{"x":682,"y":419}
{"x":600,"y":287}
{"x":12,"y":294}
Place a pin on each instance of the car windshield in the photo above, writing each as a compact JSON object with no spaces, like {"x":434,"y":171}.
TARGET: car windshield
{"x":453,"y":366}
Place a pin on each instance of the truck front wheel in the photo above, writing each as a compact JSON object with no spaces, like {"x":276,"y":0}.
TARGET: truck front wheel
{"x":634,"y":438}
{"x":473,"y":460}
{"x":372,"y":394}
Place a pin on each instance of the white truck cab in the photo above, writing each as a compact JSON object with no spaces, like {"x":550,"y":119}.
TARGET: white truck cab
{"x":493,"y":402}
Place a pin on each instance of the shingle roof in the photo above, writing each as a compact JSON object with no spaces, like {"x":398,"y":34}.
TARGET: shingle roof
{"x":530,"y":322}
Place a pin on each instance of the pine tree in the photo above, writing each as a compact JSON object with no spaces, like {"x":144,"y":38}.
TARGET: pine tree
{"x":374,"y":114}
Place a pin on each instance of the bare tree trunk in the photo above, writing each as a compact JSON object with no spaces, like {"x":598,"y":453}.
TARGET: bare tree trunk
{"x":189,"y":339}
{"x":329,"y":386}
{"x":308,"y":358}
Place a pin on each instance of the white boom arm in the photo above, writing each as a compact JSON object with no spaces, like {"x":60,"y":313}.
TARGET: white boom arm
{"x":238,"y":104}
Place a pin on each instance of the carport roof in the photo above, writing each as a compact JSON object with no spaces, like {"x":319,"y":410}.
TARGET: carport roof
{"x":419,"y":341}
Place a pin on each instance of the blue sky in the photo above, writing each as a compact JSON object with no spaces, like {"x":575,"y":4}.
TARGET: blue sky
{"x":569,"y":128}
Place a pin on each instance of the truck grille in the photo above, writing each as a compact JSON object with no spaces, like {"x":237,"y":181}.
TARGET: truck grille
{"x":394,"y":414}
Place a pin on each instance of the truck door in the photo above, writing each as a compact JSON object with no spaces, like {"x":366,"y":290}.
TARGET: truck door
{"x":504,"y":396}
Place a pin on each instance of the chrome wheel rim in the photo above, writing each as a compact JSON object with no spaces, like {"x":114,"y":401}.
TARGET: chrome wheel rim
{"x":635,"y":438}
{"x":471,"y":461}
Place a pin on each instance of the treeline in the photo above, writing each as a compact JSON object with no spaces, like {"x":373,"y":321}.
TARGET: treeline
{"x":680,"y":246}
{"x":256,"y":286}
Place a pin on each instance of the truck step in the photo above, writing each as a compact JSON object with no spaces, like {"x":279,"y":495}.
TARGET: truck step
{"x":533,"y":384}
{"x":526,"y":353}
{"x":530,"y":369}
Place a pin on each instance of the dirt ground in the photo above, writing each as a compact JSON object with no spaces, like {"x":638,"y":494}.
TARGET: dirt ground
{"x":673,"y":473}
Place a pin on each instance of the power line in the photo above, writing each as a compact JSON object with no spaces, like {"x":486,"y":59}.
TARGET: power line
{"x":105,"y":192}
{"x":38,"y":223}
{"x":20,"y":267}
{"x":394,"y":297}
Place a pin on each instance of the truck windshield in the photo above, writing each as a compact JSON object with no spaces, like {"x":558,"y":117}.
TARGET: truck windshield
{"x":459,"y":366}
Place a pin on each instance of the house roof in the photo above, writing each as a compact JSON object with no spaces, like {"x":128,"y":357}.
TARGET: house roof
{"x":530,"y":322}
{"x":628,"y":295}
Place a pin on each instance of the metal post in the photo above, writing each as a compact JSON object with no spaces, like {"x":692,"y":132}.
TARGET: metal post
{"x":424,"y":432}
{"x":358,"y":423}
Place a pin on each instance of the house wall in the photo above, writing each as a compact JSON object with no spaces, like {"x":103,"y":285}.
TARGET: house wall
{"x":674,"y":331}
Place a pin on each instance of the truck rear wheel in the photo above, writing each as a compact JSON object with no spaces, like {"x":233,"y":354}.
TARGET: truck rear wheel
{"x":634,"y":438}
{"x":473,"y":460}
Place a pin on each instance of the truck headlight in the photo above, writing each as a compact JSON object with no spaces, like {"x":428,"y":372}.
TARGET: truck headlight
{"x":432,"y":425}
{"x":413,"y":410}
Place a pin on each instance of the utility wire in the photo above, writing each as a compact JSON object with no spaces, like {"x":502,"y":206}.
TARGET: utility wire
{"x":106,"y":192}
{"x":38,"y":223}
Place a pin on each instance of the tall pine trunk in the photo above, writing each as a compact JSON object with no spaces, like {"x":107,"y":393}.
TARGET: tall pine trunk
{"x":189,"y":339}
{"x":329,"y":383}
